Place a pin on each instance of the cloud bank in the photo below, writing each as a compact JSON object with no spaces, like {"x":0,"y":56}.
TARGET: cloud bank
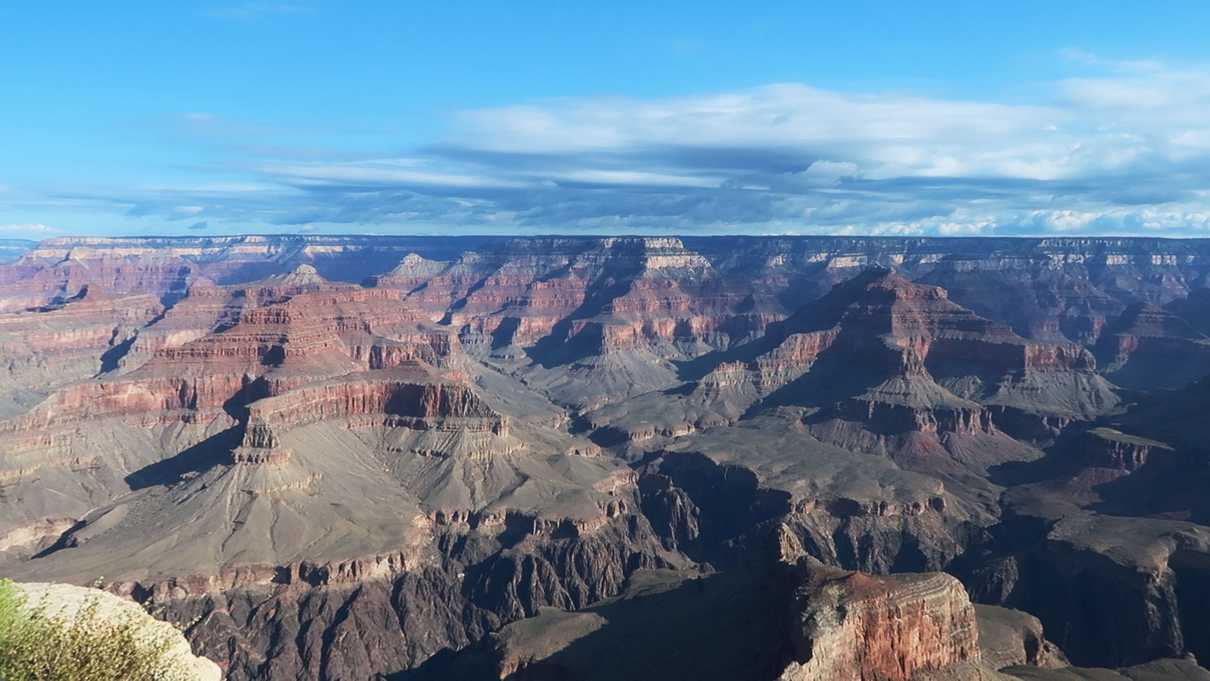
{"x":1122,"y":149}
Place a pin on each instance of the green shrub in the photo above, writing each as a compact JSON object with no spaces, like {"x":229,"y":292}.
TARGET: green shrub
{"x":36,"y":646}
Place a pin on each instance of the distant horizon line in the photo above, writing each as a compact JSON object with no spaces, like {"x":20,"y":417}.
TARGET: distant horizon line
{"x":555,"y":235}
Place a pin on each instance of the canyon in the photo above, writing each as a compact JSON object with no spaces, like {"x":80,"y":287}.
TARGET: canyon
{"x":797,"y":458}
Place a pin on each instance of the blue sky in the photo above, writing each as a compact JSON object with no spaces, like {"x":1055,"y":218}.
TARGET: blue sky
{"x":653,"y":117}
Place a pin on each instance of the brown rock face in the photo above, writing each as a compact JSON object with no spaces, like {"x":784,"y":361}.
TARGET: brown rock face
{"x":398,"y":401}
{"x":1011,"y":637}
{"x":858,"y":627}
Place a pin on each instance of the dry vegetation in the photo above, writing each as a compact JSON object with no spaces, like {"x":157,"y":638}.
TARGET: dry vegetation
{"x":35,"y":646}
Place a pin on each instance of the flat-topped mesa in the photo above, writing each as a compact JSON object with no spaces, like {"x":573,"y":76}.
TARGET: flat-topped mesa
{"x":859,"y":627}
{"x":656,"y":253}
{"x":435,"y":348}
{"x":530,"y":524}
{"x":162,"y":590}
{"x":139,"y":400}
{"x":253,"y":346}
{"x":251,"y":332}
{"x":190,"y":378}
{"x":371,"y":400}
{"x":298,"y":328}
{"x":899,"y":414}
{"x":1110,"y":448}
{"x":344,"y":324}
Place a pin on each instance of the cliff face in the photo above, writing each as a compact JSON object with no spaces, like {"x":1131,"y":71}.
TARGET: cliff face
{"x":860,"y":628}
{"x":344,"y":454}
{"x":1149,"y":346}
{"x":723,"y":626}
{"x":417,"y":404}
{"x":1154,"y":569}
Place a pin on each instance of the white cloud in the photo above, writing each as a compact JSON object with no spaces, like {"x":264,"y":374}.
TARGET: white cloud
{"x":28,"y":230}
{"x":893,"y":134}
{"x":387,"y":172}
{"x":633,"y":177}
{"x":829,"y":172}
{"x":1121,"y":147}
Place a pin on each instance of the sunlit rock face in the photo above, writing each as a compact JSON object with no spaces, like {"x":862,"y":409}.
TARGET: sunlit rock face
{"x":858,"y":627}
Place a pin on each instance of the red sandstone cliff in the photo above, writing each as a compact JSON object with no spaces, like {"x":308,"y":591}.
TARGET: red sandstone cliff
{"x":859,"y":627}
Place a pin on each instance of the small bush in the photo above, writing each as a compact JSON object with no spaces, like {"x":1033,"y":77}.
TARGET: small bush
{"x":37,"y":646}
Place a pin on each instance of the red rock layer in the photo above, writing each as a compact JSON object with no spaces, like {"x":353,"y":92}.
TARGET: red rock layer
{"x":86,"y":325}
{"x":859,"y":627}
{"x":35,"y":281}
{"x":219,"y":343}
{"x":420,"y":402}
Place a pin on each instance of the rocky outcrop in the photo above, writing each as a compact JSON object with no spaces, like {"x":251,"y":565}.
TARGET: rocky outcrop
{"x":140,"y":401}
{"x":857,"y":627}
{"x":387,"y":619}
{"x":64,"y":602}
{"x":1110,"y":448}
{"x":1010,"y":638}
{"x":758,"y":625}
{"x":412,"y":403}
{"x":1156,"y":570}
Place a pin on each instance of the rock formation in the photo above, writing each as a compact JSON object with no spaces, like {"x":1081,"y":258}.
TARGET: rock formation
{"x":64,"y":602}
{"x":856,"y":627}
{"x":342,"y":455}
